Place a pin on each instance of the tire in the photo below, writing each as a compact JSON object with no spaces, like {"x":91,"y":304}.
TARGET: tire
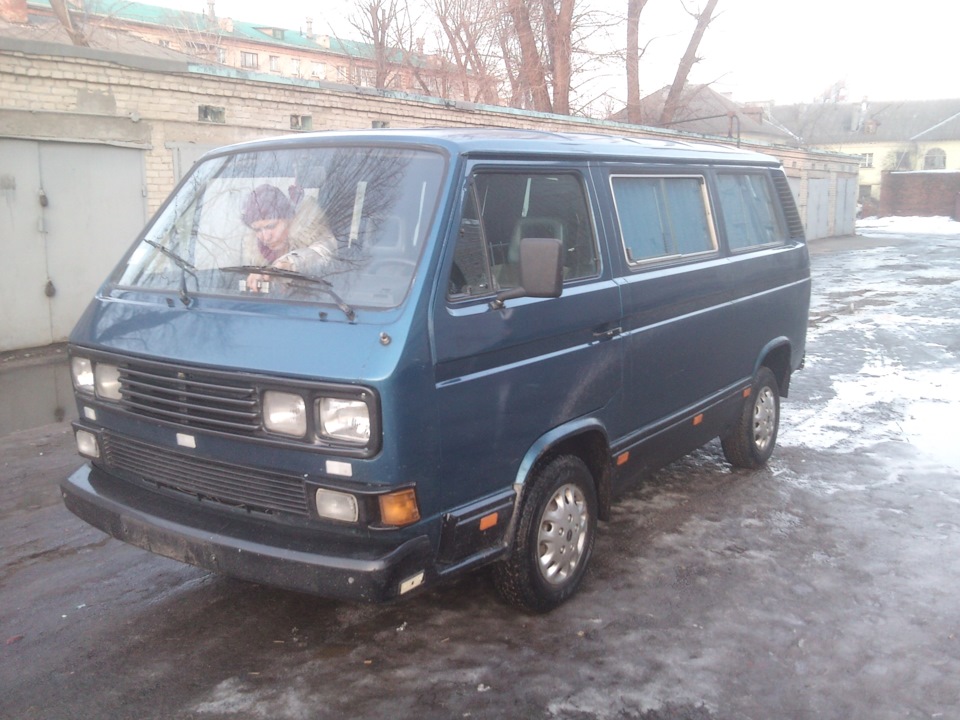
{"x":750,"y":443}
{"x":554,"y":538}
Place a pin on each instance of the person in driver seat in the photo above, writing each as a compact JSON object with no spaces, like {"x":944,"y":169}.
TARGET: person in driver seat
{"x":286,"y":235}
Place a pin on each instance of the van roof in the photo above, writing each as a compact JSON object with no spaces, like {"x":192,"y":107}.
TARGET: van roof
{"x":510,"y":142}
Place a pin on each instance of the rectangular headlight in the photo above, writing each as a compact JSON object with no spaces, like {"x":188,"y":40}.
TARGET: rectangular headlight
{"x":344,"y":420}
{"x":107,"y":381}
{"x":81,"y":370}
{"x":284,"y":413}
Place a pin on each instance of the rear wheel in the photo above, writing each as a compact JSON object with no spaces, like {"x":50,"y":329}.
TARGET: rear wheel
{"x":750,"y":443}
{"x":554,"y":538}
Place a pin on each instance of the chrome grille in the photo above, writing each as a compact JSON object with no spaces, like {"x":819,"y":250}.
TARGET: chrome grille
{"x":189,"y":397}
{"x":234,"y":485}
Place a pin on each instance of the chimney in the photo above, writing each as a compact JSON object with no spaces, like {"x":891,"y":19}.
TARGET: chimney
{"x":211,"y":11}
{"x":225,"y":24}
{"x":754,"y":112}
{"x":309,"y":28}
{"x":14,"y":11}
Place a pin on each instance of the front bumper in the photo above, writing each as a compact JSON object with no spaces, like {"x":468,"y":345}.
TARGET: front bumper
{"x":246,"y":547}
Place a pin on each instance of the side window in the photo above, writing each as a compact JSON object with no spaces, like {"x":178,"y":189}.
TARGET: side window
{"x":662,"y":217}
{"x":749,"y":213}
{"x":502,"y":208}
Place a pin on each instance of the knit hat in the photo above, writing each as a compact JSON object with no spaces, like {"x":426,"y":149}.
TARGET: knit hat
{"x":267,"y":202}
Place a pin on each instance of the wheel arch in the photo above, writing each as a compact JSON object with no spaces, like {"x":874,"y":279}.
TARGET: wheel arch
{"x":585,"y":439}
{"x":777,"y":356}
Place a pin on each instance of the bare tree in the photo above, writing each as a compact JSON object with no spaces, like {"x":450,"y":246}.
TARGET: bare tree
{"x":468,"y":29}
{"x":65,"y":18}
{"x":532,"y":76}
{"x":558,"y":23}
{"x":672,"y":103}
{"x":378,"y":21}
{"x":634,"y":9}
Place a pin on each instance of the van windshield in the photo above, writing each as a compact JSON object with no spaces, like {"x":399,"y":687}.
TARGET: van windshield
{"x":337,"y":225}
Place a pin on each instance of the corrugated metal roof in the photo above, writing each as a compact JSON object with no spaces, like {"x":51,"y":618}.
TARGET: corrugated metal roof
{"x":902,"y":121}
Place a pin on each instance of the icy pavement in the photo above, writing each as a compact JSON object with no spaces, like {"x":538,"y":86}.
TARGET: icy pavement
{"x":884,"y":342}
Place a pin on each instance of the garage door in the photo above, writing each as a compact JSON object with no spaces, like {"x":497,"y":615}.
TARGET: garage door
{"x":67,"y":213}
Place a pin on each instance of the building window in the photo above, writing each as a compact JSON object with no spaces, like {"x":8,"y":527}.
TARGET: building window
{"x":904,"y":161}
{"x":343,"y":74}
{"x":274,"y":63}
{"x":866,"y":160}
{"x":301,"y":122}
{"x":295,"y":65}
{"x":249,"y":60}
{"x":366,"y":77}
{"x":935,"y":159}
{"x":319,"y":71}
{"x":866,"y":192}
{"x":211,"y":113}
{"x":221,"y":55}
{"x":164,"y":43}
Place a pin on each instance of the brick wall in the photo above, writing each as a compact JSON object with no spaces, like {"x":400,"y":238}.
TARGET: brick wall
{"x":97,"y":96}
{"x":925,"y":194}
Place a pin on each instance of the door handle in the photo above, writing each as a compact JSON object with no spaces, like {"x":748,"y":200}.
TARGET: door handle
{"x":607,"y":333}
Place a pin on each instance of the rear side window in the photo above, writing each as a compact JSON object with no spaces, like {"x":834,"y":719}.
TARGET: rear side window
{"x":750,"y":216}
{"x":662,"y":217}
{"x":502,"y":208}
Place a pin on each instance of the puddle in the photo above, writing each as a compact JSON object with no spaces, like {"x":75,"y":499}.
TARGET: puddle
{"x":35,"y":394}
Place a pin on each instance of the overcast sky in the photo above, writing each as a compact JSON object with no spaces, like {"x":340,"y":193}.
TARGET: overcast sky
{"x":780,"y":50}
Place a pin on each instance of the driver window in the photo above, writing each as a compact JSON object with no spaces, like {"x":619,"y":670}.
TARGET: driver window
{"x":500,"y":209}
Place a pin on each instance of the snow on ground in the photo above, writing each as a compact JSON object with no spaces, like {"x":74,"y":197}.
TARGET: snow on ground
{"x":939,"y":225}
{"x":884,"y":328}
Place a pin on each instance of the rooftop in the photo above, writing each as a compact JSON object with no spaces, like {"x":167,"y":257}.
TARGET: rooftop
{"x":202,"y":23}
{"x":851,"y":122}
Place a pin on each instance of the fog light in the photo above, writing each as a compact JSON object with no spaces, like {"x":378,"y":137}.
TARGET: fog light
{"x":336,"y":505}
{"x":87,"y":444}
{"x":399,"y":508}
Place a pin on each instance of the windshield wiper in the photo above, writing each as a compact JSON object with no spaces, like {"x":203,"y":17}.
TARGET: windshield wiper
{"x":325,"y":285}
{"x":184,"y":265}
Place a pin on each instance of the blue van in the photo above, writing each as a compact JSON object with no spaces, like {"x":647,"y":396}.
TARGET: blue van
{"x":357,"y":363}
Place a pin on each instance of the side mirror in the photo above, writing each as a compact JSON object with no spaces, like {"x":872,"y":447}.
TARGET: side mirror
{"x":541,"y":271}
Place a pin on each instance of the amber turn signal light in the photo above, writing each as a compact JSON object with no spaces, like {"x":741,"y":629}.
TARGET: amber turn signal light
{"x":399,"y":508}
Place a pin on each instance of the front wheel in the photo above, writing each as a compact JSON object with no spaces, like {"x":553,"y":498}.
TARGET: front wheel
{"x":750,"y":443}
{"x":554,"y":538}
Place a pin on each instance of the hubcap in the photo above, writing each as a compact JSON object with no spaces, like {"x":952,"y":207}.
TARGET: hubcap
{"x":563,"y":534}
{"x":764,"y":419}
